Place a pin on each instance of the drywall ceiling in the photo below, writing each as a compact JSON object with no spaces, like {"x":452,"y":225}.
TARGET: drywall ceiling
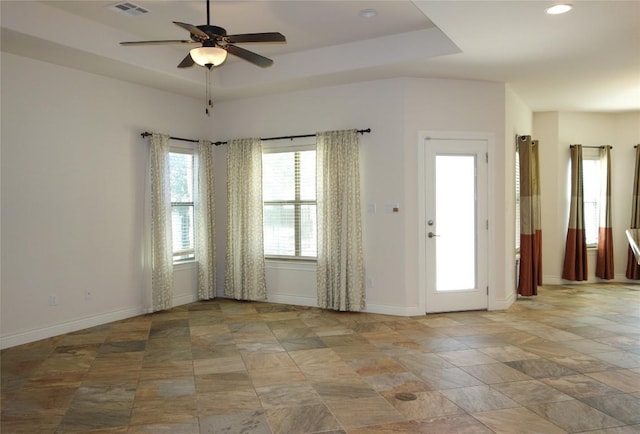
{"x":587,"y":60}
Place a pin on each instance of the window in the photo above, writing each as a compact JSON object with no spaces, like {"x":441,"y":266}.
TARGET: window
{"x":181,"y":184}
{"x":289,"y":194}
{"x":591,"y":192}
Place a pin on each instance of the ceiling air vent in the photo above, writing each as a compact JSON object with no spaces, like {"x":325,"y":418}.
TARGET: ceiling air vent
{"x":129,"y":8}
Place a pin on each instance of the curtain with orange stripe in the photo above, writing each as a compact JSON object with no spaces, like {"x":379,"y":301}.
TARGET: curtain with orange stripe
{"x":575,"y":254}
{"x":604,"y":260}
{"x":530,"y":218}
{"x":633,"y":269}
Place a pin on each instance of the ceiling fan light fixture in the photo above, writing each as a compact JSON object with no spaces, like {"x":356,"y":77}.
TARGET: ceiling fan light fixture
{"x":559,"y":9}
{"x":205,"y":56}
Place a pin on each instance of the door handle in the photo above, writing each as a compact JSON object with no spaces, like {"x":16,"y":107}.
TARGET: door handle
{"x":431,"y":235}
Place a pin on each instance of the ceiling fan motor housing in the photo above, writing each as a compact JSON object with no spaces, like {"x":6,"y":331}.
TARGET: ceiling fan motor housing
{"x":212,"y":31}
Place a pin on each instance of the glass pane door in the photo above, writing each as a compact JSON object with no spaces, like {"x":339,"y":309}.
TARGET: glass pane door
{"x":456,"y":222}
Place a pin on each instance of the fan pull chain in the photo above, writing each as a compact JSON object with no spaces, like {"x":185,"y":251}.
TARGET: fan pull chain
{"x":207,"y":101}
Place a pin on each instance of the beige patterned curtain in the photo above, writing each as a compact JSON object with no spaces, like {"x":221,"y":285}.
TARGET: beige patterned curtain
{"x":633,"y":269}
{"x":161,"y":247}
{"x":575,"y":255}
{"x":244,"y":271}
{"x":205,"y":248}
{"x":340,"y":275}
{"x":530,"y":218}
{"x":604,"y":261}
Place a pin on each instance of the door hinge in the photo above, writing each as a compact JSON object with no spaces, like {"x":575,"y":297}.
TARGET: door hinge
{"x":486,"y":156}
{"x":487,"y":225}
{"x":487,"y":290}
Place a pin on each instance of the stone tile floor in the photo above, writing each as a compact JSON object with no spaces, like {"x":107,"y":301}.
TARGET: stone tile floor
{"x":567,"y":360}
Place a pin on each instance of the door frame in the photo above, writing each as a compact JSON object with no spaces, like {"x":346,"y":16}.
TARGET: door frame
{"x":422,"y":211}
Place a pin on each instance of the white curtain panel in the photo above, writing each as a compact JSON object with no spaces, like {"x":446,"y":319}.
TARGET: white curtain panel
{"x":205,"y":248}
{"x":244,"y":271}
{"x":161,"y":250}
{"x":340,"y":275}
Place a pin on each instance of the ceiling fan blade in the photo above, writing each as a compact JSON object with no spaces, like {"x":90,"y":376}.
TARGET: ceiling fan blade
{"x":165,"y":42}
{"x":186,"y":62}
{"x":249,"y":56}
{"x":256,"y":37}
{"x":192,"y":29}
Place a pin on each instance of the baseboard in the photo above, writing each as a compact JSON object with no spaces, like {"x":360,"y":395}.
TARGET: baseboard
{"x":67,"y":327}
{"x":295,"y":300}
{"x":552,"y":280}
{"x":503,"y":303}
{"x":184,"y":299}
{"x":83,"y":323}
{"x":393,"y":310}
{"x":557,"y":280}
{"x":623,"y":279}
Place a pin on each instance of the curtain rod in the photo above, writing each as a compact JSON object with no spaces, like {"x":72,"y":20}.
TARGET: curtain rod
{"x":368,"y":130}
{"x":147,"y":134}
{"x":218,"y":143}
{"x":593,"y":147}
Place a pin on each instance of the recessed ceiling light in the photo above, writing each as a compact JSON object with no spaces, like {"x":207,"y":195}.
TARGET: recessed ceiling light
{"x":368,"y":13}
{"x":559,"y":9}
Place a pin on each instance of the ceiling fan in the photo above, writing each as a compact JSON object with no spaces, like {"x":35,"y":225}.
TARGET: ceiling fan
{"x":215,"y":44}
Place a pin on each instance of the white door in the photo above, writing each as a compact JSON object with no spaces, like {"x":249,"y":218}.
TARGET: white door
{"x":456,"y":224}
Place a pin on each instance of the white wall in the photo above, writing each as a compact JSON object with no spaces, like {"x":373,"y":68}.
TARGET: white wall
{"x":74,"y":165}
{"x":73,"y":177}
{"x":556,"y":131}
{"x":460,"y":106}
{"x":396,"y":110}
{"x":377,"y":105}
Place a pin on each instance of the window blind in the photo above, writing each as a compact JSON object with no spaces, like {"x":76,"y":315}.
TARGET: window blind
{"x":182,"y":218}
{"x":289,"y":194}
{"x":591,"y":192}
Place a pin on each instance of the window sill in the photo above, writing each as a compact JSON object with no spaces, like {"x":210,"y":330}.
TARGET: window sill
{"x":185,"y":265}
{"x":290,"y":264}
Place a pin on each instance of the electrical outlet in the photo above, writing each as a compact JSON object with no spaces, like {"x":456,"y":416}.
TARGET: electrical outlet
{"x":88,"y":296}
{"x":53,"y":300}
